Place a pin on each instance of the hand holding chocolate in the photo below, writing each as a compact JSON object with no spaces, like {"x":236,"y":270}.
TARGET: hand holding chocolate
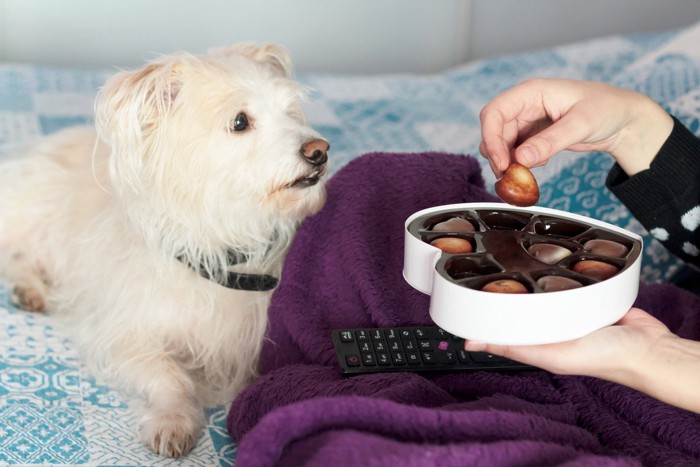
{"x":518,"y":186}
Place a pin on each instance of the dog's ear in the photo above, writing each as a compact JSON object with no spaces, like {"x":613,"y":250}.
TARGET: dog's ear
{"x":139,"y":99}
{"x":132,"y":104}
{"x":273,"y":55}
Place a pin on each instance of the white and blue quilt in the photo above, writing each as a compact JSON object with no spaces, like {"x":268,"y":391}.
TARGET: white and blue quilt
{"x":54,"y":412}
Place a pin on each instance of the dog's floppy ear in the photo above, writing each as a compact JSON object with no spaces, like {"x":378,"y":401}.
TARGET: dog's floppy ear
{"x":131,"y":105}
{"x":273,"y":55}
{"x":138,"y":99}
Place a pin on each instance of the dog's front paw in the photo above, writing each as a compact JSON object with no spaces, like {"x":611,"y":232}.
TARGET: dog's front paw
{"x":28,"y":299}
{"x":172,"y":434}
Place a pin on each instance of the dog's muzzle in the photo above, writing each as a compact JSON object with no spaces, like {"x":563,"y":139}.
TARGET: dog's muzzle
{"x":315,"y":152}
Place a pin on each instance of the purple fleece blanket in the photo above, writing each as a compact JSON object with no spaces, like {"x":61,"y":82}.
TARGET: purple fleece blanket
{"x":344,"y":270}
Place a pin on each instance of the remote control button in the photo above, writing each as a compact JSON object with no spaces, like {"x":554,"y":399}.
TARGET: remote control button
{"x":425,"y":345}
{"x":368,"y":359}
{"x":376,"y":334}
{"x":429,"y":358}
{"x":365,"y":347}
{"x":398,"y":358}
{"x":422,"y":333}
{"x":394,"y":345}
{"x":362,"y":335}
{"x":413,"y":358}
{"x":463,"y":356}
{"x":410,"y":346}
{"x":443,"y":345}
{"x":352,"y":360}
{"x":391,"y":334}
{"x":448,"y":358}
{"x":383,"y":359}
{"x":406,"y":334}
{"x":346,"y":336}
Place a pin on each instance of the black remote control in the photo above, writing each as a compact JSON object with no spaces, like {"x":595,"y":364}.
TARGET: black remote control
{"x":416,"y":348}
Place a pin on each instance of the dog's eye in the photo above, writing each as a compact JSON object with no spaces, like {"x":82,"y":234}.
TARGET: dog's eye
{"x":240,"y":123}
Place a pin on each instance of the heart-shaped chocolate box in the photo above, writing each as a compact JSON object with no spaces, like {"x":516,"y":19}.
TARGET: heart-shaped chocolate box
{"x":573,"y":274}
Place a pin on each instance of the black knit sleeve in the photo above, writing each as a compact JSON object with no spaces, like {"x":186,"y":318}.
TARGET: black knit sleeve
{"x":666,"y":197}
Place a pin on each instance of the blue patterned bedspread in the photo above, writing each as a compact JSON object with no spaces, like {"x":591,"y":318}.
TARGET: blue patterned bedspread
{"x":53,"y":412}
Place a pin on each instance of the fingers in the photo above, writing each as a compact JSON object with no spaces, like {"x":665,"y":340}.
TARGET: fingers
{"x":547,"y":115}
{"x":496,"y":158}
{"x":475,"y":346}
{"x":550,"y":357}
{"x":493,"y":145}
{"x":506,"y":117}
{"x":561,"y":135}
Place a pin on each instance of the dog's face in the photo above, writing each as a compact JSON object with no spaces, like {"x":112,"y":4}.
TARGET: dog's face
{"x":214,"y":138}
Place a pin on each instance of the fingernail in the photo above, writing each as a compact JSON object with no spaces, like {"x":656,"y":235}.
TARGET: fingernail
{"x":527,"y":155}
{"x":494,"y":168}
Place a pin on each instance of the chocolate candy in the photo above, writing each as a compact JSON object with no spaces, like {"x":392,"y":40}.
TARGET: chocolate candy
{"x":548,"y":253}
{"x":453,"y":245}
{"x":505,"y":286}
{"x":518,"y":186}
{"x":603,"y":247}
{"x":454,"y":224}
{"x":557,"y":283}
{"x":598,"y":270}
{"x":506,"y":250}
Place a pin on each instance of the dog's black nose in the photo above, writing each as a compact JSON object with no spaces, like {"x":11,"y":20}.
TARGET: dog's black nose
{"x":315,"y":151}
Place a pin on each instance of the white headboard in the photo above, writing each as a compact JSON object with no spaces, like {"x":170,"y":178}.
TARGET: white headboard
{"x":323,"y":35}
{"x":339,"y":36}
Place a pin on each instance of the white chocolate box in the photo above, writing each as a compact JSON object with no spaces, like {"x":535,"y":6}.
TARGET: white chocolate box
{"x":502,"y":234}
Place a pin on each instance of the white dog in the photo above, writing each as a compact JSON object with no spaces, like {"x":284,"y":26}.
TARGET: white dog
{"x":159,"y":237}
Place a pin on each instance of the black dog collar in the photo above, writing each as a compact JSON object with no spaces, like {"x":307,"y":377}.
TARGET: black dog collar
{"x":239,"y":280}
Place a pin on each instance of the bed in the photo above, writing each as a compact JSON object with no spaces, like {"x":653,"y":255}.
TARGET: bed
{"x":54,"y":412}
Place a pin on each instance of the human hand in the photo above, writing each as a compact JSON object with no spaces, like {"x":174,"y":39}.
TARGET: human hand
{"x":638,"y":351}
{"x":536,"y":119}
{"x":614,"y":352}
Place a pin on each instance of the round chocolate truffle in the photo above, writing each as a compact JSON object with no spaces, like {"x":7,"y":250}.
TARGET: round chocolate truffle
{"x":557,"y":283}
{"x":548,"y":253}
{"x":595,"y":269}
{"x":454,"y":224}
{"x":453,"y":245}
{"x":504,"y":286}
{"x":603,"y":247}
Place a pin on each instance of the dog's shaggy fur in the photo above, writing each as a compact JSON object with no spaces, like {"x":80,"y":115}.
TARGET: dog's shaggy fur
{"x":193,"y":157}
